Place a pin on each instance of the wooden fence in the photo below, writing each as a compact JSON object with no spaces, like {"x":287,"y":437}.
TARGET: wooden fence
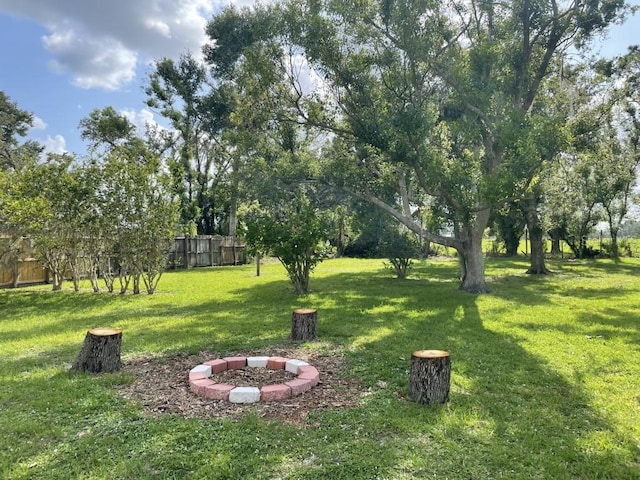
{"x":187,"y":252}
{"x":207,"y":251}
{"x":23,"y":272}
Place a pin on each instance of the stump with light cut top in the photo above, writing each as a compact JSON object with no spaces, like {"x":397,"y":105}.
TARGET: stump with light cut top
{"x":100,"y":351}
{"x":429,"y":376}
{"x":303,"y":324}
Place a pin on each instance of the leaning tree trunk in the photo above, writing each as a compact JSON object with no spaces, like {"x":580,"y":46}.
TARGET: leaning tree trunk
{"x":303,"y":324}
{"x":429,"y":376}
{"x":100,"y":351}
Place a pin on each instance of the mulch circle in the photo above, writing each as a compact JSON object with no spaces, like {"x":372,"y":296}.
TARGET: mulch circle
{"x":161,"y":384}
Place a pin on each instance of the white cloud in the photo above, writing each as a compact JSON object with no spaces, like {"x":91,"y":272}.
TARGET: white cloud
{"x":141,"y":119}
{"x":100,"y":44}
{"x":94,"y":63}
{"x":55,"y":144}
{"x":38,"y":124}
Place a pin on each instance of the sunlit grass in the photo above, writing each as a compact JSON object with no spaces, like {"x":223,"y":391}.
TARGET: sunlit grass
{"x":544,"y":380}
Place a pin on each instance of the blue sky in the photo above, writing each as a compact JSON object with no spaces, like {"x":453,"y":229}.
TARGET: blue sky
{"x":60,"y":59}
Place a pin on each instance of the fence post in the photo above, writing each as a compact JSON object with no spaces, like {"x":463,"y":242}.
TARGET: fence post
{"x":235,"y":260}
{"x":211,"y":250}
{"x":185,"y":251}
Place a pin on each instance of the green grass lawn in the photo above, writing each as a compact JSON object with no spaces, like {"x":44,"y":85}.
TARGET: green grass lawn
{"x":545,"y":376}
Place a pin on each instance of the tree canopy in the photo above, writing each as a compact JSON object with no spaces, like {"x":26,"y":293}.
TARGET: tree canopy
{"x":437,"y":100}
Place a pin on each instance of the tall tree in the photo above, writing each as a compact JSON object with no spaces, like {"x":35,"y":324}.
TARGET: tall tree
{"x":252,"y":90}
{"x":622,"y":150}
{"x":197,"y":110}
{"x":447,"y":90}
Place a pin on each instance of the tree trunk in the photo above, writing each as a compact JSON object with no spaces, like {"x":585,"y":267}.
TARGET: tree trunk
{"x":100,"y":351}
{"x":510,"y":226}
{"x":303,"y":324}
{"x":16,"y":273}
{"x":57,"y":281}
{"x":429,"y":376}
{"x":235,"y":194}
{"x":555,"y":241}
{"x":614,"y":243}
{"x":471,"y":256}
{"x":426,"y":249}
{"x":472,"y":267}
{"x":537,"y":265}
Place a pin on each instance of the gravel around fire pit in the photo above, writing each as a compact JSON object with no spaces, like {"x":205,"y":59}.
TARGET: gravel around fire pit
{"x":162,"y":386}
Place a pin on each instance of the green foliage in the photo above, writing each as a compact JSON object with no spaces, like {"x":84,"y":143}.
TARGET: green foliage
{"x":295,"y":233}
{"x":113,"y":214}
{"x":14,"y":124}
{"x":197,"y":155}
{"x":106,"y":127}
{"x":444,"y":110}
{"x":400,"y":247}
{"x":142,"y":214}
{"x":45,"y":201}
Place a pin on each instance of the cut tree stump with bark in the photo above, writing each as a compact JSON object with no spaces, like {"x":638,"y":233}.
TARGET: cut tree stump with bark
{"x":429,"y":376}
{"x":100,"y":351}
{"x":303,"y":324}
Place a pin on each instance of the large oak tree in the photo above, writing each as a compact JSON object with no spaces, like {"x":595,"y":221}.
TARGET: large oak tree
{"x":443,"y":95}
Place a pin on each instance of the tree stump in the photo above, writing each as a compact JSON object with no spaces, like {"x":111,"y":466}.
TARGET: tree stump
{"x":100,"y":351}
{"x":303,"y":324}
{"x":429,"y":377}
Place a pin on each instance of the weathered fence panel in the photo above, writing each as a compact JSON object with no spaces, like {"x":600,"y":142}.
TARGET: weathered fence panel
{"x":207,"y":251}
{"x":22,"y":272}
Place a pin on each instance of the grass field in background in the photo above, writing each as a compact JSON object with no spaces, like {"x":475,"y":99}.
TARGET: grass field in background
{"x":545,"y":375}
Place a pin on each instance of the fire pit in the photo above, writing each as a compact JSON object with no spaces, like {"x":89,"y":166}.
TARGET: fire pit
{"x":202,"y":379}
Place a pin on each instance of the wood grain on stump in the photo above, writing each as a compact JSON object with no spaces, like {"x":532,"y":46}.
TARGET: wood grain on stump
{"x":100,"y":351}
{"x":429,"y":377}
{"x":303,"y":324}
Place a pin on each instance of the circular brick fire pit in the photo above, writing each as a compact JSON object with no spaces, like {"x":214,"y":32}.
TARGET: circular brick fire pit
{"x":201,"y":383}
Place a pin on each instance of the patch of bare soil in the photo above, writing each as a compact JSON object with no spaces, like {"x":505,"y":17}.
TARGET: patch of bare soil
{"x":162,"y":386}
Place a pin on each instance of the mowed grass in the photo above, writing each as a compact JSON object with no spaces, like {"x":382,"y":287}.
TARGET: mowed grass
{"x":545,"y":376}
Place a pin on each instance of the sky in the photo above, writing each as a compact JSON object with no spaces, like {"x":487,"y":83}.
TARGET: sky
{"x":60,"y":59}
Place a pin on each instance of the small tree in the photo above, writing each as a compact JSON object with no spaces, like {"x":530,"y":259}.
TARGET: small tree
{"x":295,"y":233}
{"x":136,"y":217}
{"x":146,"y":217}
{"x":38,"y":203}
{"x":400,"y":247}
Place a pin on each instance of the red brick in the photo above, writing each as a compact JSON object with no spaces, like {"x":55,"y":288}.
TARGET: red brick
{"x":234,"y":363}
{"x":219,"y":391}
{"x":299,"y":385}
{"x":198,"y":385}
{"x":217,"y":366}
{"x":277,"y":363}
{"x":309,"y":373}
{"x":270,"y":393}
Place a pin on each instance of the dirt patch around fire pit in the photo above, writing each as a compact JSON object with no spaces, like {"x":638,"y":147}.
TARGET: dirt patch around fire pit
{"x":161,"y":385}
{"x":253,"y":377}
